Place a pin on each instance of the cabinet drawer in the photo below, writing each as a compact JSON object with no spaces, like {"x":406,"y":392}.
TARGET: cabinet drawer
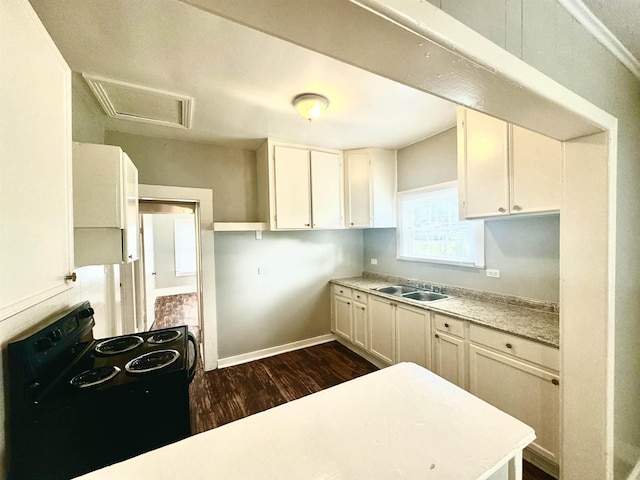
{"x":450,"y":325}
{"x":518,"y":347}
{"x":342,"y":291}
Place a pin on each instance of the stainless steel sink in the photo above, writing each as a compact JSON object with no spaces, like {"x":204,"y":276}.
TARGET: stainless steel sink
{"x":396,"y":289}
{"x":423,"y":296}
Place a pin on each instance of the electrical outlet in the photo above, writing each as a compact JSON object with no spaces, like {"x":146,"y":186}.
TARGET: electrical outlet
{"x":493,"y":273}
{"x":374,"y":261}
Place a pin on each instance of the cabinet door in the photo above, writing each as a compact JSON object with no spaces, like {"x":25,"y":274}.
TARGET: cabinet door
{"x":327,"y":186}
{"x":449,"y":359}
{"x":36,"y":237}
{"x":483,"y":165}
{"x":359,"y":313}
{"x":523,"y":391}
{"x":342,"y":312}
{"x":132,"y":228}
{"x":382,"y":332}
{"x":413,"y":336}
{"x":359,"y":210}
{"x":536,"y":163}
{"x":292,"y":188}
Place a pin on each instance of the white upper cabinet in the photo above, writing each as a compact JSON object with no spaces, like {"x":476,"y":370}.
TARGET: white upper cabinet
{"x":292,"y":189}
{"x":105,"y":200}
{"x":36,"y":237}
{"x":371,"y":188}
{"x":300,"y":187}
{"x":327,"y":190}
{"x":504,"y":169}
{"x":535,"y":171}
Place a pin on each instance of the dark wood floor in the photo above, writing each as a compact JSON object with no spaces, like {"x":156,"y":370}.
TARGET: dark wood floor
{"x":225,"y":395}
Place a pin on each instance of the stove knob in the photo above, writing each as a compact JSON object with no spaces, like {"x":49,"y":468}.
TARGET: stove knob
{"x":55,"y":335}
{"x":87,"y":312}
{"x":44,"y":344}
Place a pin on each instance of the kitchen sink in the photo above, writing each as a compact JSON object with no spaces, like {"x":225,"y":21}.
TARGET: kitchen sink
{"x":396,"y":289}
{"x":423,"y":296}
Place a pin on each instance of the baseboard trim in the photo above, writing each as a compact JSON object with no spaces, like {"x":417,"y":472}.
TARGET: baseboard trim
{"x":271,"y":351}
{"x":635,"y":473}
{"x":165,"y":292}
{"x":358,"y":351}
{"x":542,"y":463}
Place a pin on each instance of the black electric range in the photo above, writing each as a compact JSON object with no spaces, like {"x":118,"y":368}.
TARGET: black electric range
{"x":77,"y":404}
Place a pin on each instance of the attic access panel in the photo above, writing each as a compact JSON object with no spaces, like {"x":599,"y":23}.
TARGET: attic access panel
{"x":141,"y":104}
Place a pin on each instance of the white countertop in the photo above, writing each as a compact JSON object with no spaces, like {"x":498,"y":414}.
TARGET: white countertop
{"x":402,"y":422}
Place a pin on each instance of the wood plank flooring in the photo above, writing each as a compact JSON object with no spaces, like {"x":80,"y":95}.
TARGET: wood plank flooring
{"x":225,"y":395}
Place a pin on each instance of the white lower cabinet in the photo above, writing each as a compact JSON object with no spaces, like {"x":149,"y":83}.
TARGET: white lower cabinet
{"x":382,"y":331}
{"x":413,"y":335}
{"x":516,"y":375}
{"x":359,"y":330}
{"x":449,"y":359}
{"x":527,"y":391}
{"x":521,"y":390}
{"x":342,"y":314}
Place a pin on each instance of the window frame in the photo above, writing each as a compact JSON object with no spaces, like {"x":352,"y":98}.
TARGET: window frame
{"x":478,"y":225}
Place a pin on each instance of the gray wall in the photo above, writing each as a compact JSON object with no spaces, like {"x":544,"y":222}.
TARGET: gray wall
{"x":230,"y":172}
{"x":544,"y":35}
{"x":86,"y":125}
{"x":526,"y":250}
{"x":290,"y":300}
{"x":164,"y":253}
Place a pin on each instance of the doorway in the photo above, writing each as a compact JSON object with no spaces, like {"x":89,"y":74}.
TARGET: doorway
{"x":206,"y":298}
{"x":169,"y":273}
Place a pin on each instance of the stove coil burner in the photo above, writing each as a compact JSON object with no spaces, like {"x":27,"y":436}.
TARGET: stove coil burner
{"x":94,"y":377}
{"x":165,"y":336}
{"x":119,"y":345}
{"x":152,"y":361}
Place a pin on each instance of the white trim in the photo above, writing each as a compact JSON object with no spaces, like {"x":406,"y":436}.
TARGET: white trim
{"x":165,"y":292}
{"x":362,"y":353}
{"x":585,"y":17}
{"x":204,"y":197}
{"x":97,"y":84}
{"x":271,"y":351}
{"x":635,"y":473}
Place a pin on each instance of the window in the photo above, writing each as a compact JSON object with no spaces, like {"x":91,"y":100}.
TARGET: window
{"x":429,"y":229}
{"x":185,"y":246}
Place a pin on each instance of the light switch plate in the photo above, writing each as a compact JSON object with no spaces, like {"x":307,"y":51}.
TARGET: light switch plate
{"x":374,"y":261}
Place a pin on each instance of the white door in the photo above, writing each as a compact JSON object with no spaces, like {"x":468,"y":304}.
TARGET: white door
{"x":359,"y":190}
{"x":525,"y":392}
{"x":485,"y":165}
{"x":414,"y":336}
{"x":359,"y":317}
{"x":449,"y":361}
{"x":382,"y":334}
{"x":327,"y":179}
{"x":342,"y":309}
{"x":149,"y":269}
{"x":293,"y":189}
{"x":536,"y":164}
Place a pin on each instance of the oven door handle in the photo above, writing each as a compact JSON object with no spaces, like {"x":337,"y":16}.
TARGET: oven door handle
{"x":192,"y":368}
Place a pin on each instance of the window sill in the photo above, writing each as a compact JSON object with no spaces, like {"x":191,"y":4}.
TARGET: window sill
{"x":440,"y":262}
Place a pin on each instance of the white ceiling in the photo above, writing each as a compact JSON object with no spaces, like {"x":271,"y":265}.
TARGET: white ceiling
{"x":242,"y":80}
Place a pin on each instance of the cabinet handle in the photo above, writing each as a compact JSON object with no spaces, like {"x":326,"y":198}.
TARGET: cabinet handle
{"x":362,"y":308}
{"x":130,"y":256}
{"x":307,"y":225}
{"x":501,"y":210}
{"x":348,"y":303}
{"x":351,"y":223}
{"x":446,"y":325}
{"x":508,"y":345}
{"x":437,"y":336}
{"x":72,"y":277}
{"x":517,"y":208}
{"x":341,"y":291}
{"x":555,"y":381}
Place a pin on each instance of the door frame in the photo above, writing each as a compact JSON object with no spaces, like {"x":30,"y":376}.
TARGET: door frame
{"x":203,"y":197}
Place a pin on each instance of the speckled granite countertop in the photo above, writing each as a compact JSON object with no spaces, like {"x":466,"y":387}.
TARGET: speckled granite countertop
{"x":531,"y":323}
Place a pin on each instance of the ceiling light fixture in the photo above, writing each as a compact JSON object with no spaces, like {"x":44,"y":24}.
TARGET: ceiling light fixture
{"x":310,"y":105}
